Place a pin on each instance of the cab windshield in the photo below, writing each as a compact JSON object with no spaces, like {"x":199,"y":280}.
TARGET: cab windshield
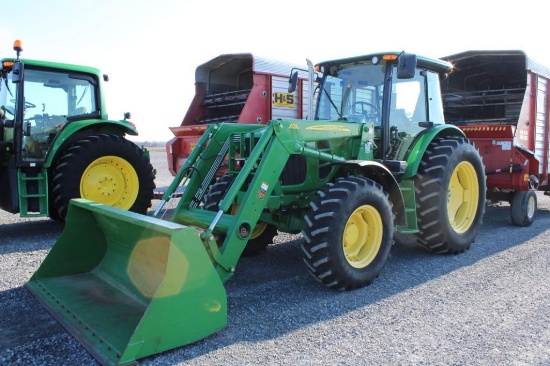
{"x":352,"y":93}
{"x":52,"y":99}
{"x":355,"y":93}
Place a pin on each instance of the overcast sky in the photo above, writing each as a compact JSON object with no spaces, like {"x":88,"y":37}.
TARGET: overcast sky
{"x":150,"y":49}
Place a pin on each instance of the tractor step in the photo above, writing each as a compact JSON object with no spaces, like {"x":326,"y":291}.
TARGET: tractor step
{"x":407,"y":190}
{"x":395,"y":166}
{"x":33,"y":194}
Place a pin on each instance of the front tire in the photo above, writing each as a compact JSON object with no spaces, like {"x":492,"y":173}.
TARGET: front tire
{"x":523,"y":208}
{"x":106,"y":169}
{"x":450,"y":190}
{"x":349,"y":233}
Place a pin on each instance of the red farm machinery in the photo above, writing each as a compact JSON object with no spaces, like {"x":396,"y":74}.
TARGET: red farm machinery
{"x":500,"y":100}
{"x":238,"y":88}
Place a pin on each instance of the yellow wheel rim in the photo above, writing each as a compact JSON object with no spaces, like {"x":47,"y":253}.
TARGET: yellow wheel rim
{"x":112,"y":181}
{"x":258,"y":230}
{"x":260,"y":226}
{"x":463,"y":197}
{"x":363,"y":236}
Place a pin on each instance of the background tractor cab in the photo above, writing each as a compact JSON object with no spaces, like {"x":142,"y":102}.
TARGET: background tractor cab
{"x":57,"y":143}
{"x":38,"y":104}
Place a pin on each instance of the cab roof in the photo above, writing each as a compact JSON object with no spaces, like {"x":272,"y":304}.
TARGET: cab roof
{"x":439,"y":66}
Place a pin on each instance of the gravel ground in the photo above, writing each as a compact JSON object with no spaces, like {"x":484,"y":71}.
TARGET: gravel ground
{"x":488,"y":306}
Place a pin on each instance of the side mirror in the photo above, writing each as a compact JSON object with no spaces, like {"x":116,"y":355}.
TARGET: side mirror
{"x":17,"y":72}
{"x":406,"y":66}
{"x":292,"y":82}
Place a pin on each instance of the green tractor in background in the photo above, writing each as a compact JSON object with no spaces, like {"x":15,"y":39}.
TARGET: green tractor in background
{"x":377,"y":160}
{"x":57,"y":143}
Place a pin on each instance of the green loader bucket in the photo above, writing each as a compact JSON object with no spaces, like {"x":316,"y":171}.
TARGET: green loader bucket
{"x":128,"y":286}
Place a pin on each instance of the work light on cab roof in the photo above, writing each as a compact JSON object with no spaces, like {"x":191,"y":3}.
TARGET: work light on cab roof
{"x":18,"y":47}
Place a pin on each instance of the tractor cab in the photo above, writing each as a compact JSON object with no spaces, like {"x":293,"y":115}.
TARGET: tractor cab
{"x":396,"y":93}
{"x":37,"y":102}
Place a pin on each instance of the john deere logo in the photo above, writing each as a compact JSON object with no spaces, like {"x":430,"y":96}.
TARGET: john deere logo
{"x":328,"y":128}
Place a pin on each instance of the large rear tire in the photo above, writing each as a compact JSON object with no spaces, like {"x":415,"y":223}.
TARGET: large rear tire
{"x":263,"y":233}
{"x":450,"y":195}
{"x":107,"y":169}
{"x":523,"y":208}
{"x":349,"y":233}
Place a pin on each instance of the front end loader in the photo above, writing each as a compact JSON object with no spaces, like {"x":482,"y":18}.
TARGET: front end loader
{"x":128,"y":285}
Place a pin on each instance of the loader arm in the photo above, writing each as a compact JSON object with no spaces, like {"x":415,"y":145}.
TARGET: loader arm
{"x":257,"y":157}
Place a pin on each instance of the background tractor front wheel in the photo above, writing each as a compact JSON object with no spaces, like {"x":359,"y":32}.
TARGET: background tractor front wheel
{"x":106,"y":169}
{"x":348,"y":234}
{"x":450,"y":195}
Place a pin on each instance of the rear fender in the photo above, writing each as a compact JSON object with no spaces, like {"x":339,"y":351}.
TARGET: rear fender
{"x":381,"y":175}
{"x":78,"y":128}
{"x":419,"y":148}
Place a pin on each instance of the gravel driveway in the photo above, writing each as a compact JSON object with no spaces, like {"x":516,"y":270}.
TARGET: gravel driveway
{"x":488,"y":306}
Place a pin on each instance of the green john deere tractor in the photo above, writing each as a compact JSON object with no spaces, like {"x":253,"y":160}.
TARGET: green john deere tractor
{"x":377,"y":160}
{"x":57,"y":143}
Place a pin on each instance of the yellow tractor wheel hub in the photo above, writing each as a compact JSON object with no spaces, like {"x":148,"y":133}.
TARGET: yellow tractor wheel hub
{"x":362,"y":236}
{"x":112,"y":181}
{"x":463,"y":197}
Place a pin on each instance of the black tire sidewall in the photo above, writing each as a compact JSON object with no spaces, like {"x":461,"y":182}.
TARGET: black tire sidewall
{"x":331,"y":222}
{"x":76,"y":159}
{"x":518,"y":208}
{"x":438,"y":165}
{"x":361,"y":275}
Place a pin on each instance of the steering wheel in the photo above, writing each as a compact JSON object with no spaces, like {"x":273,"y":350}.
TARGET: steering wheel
{"x":9,"y":109}
{"x":364,"y":110}
{"x":27,"y":104}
